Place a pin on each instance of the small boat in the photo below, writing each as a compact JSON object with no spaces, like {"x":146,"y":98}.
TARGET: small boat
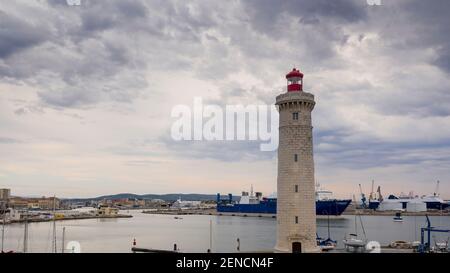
{"x":441,"y":246}
{"x":353,"y":241}
{"x":178,"y":218}
{"x":327,"y":244}
{"x":398,"y":217}
{"x":401,"y":244}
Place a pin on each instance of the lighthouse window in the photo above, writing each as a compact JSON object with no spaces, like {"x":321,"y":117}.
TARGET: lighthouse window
{"x":296,"y":157}
{"x":296,"y":219}
{"x":296,"y":188}
{"x":295,"y":116}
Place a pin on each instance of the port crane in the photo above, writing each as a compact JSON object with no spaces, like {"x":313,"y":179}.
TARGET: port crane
{"x":436,"y":191}
{"x":426,"y":246}
{"x":380,"y":197}
{"x":363,"y":197}
{"x":371,"y":196}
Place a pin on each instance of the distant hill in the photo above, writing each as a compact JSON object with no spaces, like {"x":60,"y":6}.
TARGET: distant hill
{"x":165,"y":197}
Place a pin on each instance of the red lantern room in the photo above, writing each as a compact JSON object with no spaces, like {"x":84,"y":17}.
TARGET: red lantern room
{"x":294,"y":81}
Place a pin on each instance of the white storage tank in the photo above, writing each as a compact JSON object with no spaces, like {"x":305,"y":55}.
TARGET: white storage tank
{"x":388,"y":204}
{"x":416,"y":206}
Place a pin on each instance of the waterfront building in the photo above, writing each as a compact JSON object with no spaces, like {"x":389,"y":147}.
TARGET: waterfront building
{"x":416,"y":205}
{"x":5,"y":194}
{"x":44,"y":203}
{"x":18,"y":203}
{"x":48,"y":203}
{"x":107,"y":211}
{"x":296,"y":212}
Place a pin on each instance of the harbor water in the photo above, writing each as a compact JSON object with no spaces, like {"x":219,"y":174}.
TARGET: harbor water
{"x":191,"y":233}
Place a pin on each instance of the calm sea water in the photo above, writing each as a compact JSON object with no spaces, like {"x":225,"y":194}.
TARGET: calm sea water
{"x":192,"y":232}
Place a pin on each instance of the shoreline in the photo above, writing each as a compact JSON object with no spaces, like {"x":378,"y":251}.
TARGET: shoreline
{"x":83,"y":217}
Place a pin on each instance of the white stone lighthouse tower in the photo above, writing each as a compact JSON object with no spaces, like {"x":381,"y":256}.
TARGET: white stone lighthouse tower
{"x":296,"y":205}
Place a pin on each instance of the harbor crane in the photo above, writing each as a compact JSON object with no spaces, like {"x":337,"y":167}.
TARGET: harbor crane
{"x":371,"y":196}
{"x":380,"y":197}
{"x":363,"y":197}
{"x":436,"y":191}
{"x":426,"y":246}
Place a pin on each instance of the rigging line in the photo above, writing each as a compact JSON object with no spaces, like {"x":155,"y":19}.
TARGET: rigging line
{"x":25,"y":235}
{"x":30,"y":239}
{"x":362,"y":226}
{"x":3,"y":226}
{"x":19,"y":243}
{"x":47,"y":245}
{"x":415,"y":227}
{"x":54,"y":247}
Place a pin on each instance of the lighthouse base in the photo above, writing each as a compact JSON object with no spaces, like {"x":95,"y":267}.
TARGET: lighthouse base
{"x":294,"y":245}
{"x":293,"y":250}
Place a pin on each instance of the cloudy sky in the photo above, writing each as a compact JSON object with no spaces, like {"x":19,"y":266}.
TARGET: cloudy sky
{"x":86,"y":92}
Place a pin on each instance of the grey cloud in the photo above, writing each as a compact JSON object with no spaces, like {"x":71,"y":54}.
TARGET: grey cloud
{"x":99,"y":16}
{"x":20,"y":111}
{"x":418,"y":102}
{"x":372,"y":152}
{"x":25,"y":108}
{"x":89,"y":91}
{"x":312,"y":29}
{"x":422,"y":25}
{"x":103,"y":52}
{"x":142,"y":162}
{"x":265,"y":13}
{"x":76,"y":67}
{"x":443,"y":59}
{"x":228,"y":151}
{"x":97,"y":43}
{"x":309,"y":20}
{"x":69,"y":97}
{"x":17,"y":34}
{"x":8,"y":140}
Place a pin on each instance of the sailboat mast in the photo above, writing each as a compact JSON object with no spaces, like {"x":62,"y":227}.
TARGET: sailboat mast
{"x":362,"y":227}
{"x":328,"y":225}
{"x":25,"y":235}
{"x":54,"y":225}
{"x":210,"y":235}
{"x":3,"y":225}
{"x":63,"y":239}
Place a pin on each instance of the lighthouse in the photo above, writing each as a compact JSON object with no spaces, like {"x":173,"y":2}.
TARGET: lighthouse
{"x":296,"y":213}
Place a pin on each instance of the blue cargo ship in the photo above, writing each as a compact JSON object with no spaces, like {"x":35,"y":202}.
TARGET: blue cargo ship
{"x":249,"y":203}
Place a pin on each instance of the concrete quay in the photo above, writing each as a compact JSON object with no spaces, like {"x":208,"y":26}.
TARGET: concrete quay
{"x":72,"y":217}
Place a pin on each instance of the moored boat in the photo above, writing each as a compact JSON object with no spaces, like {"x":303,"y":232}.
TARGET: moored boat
{"x":354,"y":242}
{"x":398,"y":217}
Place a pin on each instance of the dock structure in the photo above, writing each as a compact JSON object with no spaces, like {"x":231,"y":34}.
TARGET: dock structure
{"x":214,"y":212}
{"x":65,"y":218}
{"x":136,"y":249}
{"x":151,"y":250}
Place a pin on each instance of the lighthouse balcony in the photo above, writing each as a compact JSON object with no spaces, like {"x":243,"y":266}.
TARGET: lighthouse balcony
{"x":295,"y":98}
